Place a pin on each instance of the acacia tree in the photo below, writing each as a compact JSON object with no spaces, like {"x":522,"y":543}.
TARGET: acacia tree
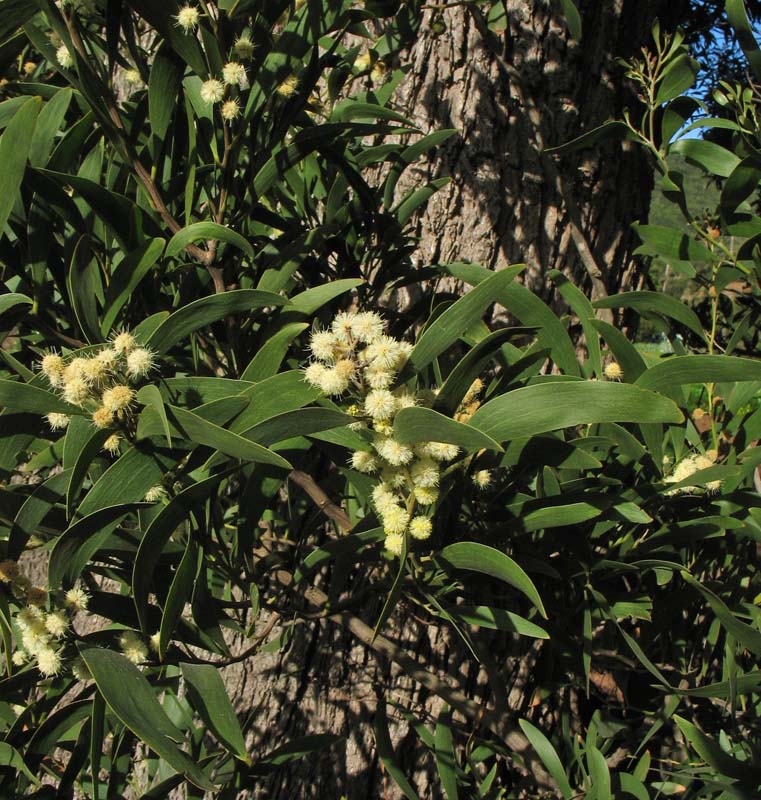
{"x":458,"y":538}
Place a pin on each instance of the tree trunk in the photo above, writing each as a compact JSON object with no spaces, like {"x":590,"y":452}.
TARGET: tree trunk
{"x":504,"y":205}
{"x":509,"y":95}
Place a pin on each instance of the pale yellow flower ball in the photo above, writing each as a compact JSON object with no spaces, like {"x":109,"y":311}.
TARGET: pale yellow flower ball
{"x":117,"y":399}
{"x":230,"y":110}
{"x":243,"y":47}
{"x":48,"y":661}
{"x":76,"y":599}
{"x":394,"y":543}
{"x":212,"y":91}
{"x":420,"y":528}
{"x":57,"y":421}
{"x":102,"y":418}
{"x":234,"y":74}
{"x":64,"y":57}
{"x":187,"y":18}
{"x":613,"y":371}
{"x":139,"y":363}
{"x":288,"y":87}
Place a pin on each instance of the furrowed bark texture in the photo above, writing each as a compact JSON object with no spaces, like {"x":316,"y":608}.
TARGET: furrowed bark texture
{"x":501,"y":207}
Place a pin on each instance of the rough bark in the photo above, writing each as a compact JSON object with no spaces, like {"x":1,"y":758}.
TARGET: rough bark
{"x":510,"y":95}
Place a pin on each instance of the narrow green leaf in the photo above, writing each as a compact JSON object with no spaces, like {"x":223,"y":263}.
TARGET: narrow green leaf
{"x":572,"y":18}
{"x":418,"y":424}
{"x":300,"y":747}
{"x":498,"y":619}
{"x":748,"y":636}
{"x":207,"y":231}
{"x":312,"y":300}
{"x":126,"y":277}
{"x":151,"y":397}
{"x":671,"y":245}
{"x":266,"y":362}
{"x":299,"y":422}
{"x":203,"y":312}
{"x":487,"y":560}
{"x":471,"y":366}
{"x":10,"y":757}
{"x":14,"y":149}
{"x":48,"y":124}
{"x":738,"y":19}
{"x":608,"y":130}
{"x":714,"y":158}
{"x":563,"y":404}
{"x":386,"y":752}
{"x":655,"y":302}
{"x":677,"y":78}
{"x":132,"y":699}
{"x":18,"y":396}
{"x":193,"y":427}
{"x":700,"y":369}
{"x":599,"y":772}
{"x":469,"y":309}
{"x":34,"y":510}
{"x":158,"y":534}
{"x":81,"y":541}
{"x":446,"y":763}
{"x":712,"y":754}
{"x":548,"y":756}
{"x":209,"y":698}
{"x":163,"y":91}
{"x":180,"y":591}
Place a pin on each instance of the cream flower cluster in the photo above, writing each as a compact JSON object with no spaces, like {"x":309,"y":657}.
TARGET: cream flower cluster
{"x":41,"y":632}
{"x":100,"y":383}
{"x":686,"y":468}
{"x":356,"y":357}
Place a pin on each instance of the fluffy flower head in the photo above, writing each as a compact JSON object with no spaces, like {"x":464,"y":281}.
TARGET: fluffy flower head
{"x":117,"y":398}
{"x":613,"y":371}
{"x":133,"y":77}
{"x":123,"y":342}
{"x":76,"y":599}
{"x":230,"y":110}
{"x":322,"y":344}
{"x":154,"y":494}
{"x":380,"y":404}
{"x":57,"y":421}
{"x":76,"y":391}
{"x":8,"y":571}
{"x":102,"y":418}
{"x":420,"y":528}
{"x":63,"y":57}
{"x":394,"y":452}
{"x":395,"y":519}
{"x":243,"y":47}
{"x":288,"y":87}
{"x":139,"y":363}
{"x":133,"y":647}
{"x":394,"y":543}
{"x":111,"y":445}
{"x":234,"y":74}
{"x":57,"y":623}
{"x":187,"y":18}
{"x":212,"y":91}
{"x":53,"y":366}
{"x":365,"y":462}
{"x":48,"y":661}
{"x":482,"y":479}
